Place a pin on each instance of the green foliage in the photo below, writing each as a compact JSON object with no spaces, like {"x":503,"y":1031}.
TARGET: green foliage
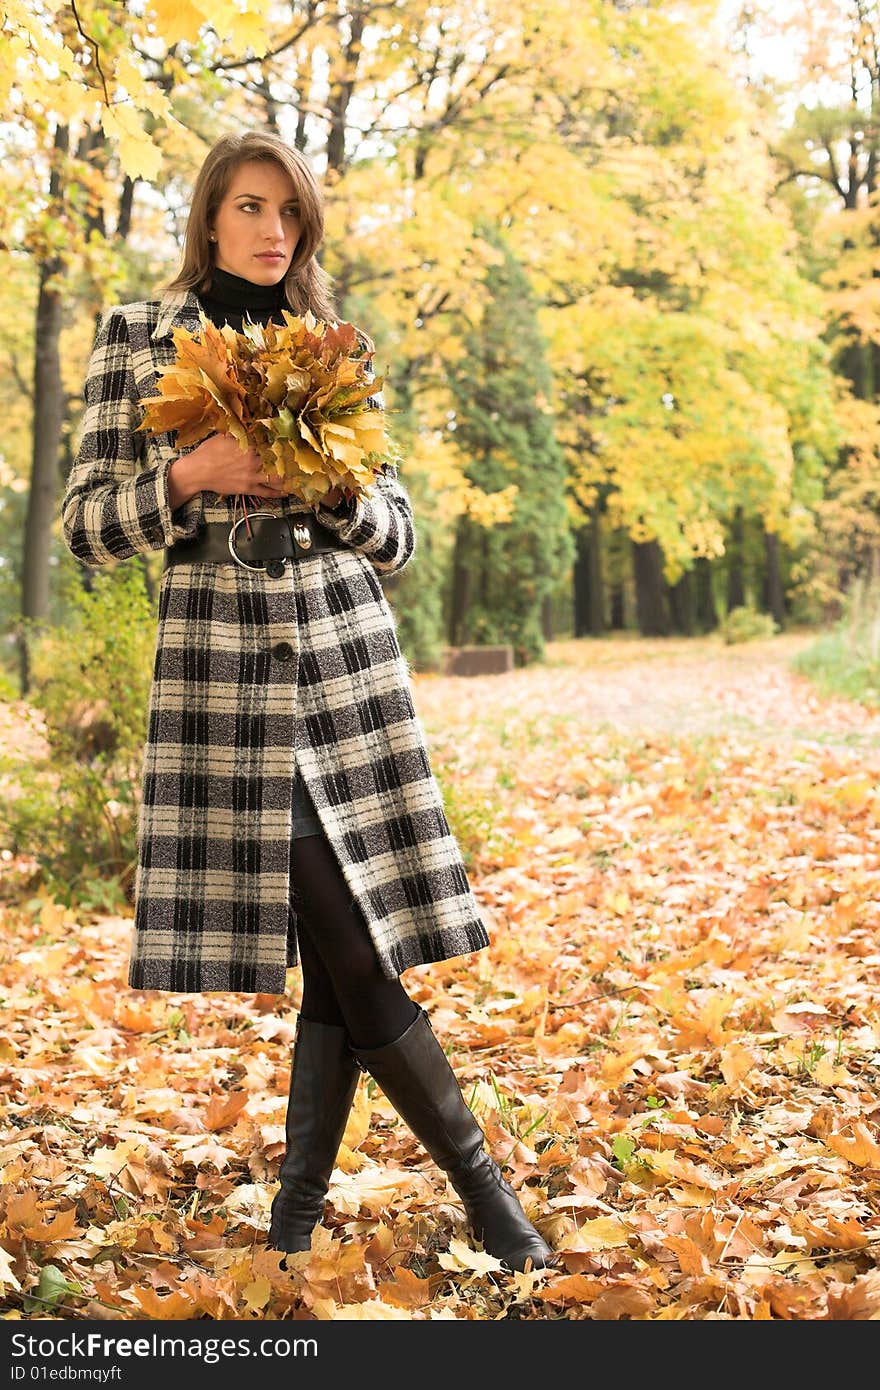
{"x":622,"y":1149}
{"x":416,"y":595}
{"x":470,"y":817}
{"x":52,"y":1290}
{"x":746,"y":623}
{"x":75,"y":812}
{"x":502,"y":575}
{"x":8,"y":687}
{"x":846,"y":660}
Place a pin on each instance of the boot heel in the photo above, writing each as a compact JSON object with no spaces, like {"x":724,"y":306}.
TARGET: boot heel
{"x":415,"y":1075}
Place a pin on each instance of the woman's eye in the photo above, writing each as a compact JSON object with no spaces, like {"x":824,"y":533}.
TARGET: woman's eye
{"x":244,"y":206}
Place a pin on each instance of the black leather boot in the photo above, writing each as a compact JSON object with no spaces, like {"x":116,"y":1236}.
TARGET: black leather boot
{"x":416,"y":1077}
{"x":323,"y":1079}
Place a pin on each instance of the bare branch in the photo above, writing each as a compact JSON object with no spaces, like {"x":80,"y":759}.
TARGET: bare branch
{"x":88,"y":38}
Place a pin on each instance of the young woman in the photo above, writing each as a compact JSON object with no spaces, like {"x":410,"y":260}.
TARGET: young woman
{"x":289,"y":813}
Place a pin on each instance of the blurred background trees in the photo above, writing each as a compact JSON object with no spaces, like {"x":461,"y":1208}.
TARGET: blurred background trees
{"x":623,"y":285}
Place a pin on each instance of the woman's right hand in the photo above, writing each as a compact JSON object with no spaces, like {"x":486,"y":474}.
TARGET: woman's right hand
{"x":223,"y":468}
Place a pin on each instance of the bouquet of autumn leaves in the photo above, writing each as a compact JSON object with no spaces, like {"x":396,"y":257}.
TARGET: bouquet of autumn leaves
{"x":295,"y":393}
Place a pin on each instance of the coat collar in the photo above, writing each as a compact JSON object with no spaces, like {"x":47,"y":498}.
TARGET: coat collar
{"x":177,"y":308}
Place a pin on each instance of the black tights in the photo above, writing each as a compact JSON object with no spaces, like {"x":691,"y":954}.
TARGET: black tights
{"x":342,"y":978}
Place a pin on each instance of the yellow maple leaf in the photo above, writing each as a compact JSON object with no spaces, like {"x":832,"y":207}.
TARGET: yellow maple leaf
{"x":368,"y":1189}
{"x":405,"y":1289}
{"x":257,"y":1294}
{"x":829,"y":1073}
{"x":858,"y":1147}
{"x":7,"y":1278}
{"x":371,"y":1310}
{"x":603,"y":1233}
{"x":249,"y":31}
{"x":178,"y":20}
{"x":197,"y":1148}
{"x":736,"y":1062}
{"x":109,"y":1163}
{"x":461,"y":1257}
{"x":138,"y":155}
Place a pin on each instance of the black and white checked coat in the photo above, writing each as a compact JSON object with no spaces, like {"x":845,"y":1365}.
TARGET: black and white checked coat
{"x":252,"y":677}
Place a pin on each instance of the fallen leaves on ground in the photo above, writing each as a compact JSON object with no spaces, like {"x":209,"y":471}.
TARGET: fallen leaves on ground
{"x":673,"y":1043}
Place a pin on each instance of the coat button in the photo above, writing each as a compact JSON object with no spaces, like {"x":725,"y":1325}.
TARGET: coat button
{"x":282,"y":651}
{"x":275,"y":569}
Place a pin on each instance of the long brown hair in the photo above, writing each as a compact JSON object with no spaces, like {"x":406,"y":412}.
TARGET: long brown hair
{"x":307,"y":286}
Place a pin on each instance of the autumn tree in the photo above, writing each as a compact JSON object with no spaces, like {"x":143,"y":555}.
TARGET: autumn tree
{"x":827,"y":159}
{"x":695,"y":400}
{"x":606,"y":152}
{"x":93,"y":115}
{"x":502,"y":575}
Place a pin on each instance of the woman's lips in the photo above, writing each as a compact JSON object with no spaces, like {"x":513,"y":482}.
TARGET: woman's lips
{"x":268,"y":256}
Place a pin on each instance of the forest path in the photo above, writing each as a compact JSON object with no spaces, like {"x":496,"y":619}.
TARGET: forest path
{"x":687,"y":687}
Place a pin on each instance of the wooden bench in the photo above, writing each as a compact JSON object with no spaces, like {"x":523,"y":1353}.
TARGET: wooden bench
{"x":477,"y":660}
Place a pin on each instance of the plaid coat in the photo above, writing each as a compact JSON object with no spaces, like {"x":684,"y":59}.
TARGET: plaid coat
{"x":253,"y":677}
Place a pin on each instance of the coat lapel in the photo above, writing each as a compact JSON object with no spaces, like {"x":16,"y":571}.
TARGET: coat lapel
{"x":177,"y":309}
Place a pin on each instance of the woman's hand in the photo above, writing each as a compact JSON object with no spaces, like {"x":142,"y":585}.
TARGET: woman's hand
{"x":220,"y":466}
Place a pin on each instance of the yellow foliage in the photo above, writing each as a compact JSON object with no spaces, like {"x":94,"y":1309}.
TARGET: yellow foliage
{"x":138,"y":155}
{"x":179,"y":20}
{"x":439,"y":460}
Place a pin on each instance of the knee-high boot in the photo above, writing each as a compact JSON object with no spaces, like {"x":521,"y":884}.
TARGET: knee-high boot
{"x":415,"y":1075}
{"x":323,"y":1079}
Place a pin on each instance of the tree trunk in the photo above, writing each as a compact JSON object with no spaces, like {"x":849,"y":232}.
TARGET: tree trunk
{"x":596,"y":616}
{"x":548,"y":622}
{"x":581,"y":582}
{"x":736,"y":583}
{"x":270,"y":105}
{"x":774,"y":599}
{"x":682,"y":604}
{"x":617,"y":607}
{"x":43,"y":494}
{"x":704,"y":600}
{"x":126,"y":207}
{"x":462,"y":578}
{"x":485,"y":568}
{"x":652,"y":613}
{"x":857,"y":365}
{"x":342,"y":87}
{"x":588,"y":595}
{"x":48,"y":416}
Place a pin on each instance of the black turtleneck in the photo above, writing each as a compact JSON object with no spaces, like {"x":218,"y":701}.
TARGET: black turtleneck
{"x":231,"y":297}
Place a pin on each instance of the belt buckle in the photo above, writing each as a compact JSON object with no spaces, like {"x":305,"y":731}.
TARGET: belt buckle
{"x":257,"y":569}
{"x":302,"y":535}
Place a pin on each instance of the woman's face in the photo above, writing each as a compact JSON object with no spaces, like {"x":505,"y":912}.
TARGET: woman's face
{"x":259,"y":214}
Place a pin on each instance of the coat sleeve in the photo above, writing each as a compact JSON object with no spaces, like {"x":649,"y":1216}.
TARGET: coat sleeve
{"x":378,"y":522}
{"x":113,"y":506}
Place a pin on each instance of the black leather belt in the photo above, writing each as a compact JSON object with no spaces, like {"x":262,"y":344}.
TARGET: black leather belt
{"x":261,"y":541}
